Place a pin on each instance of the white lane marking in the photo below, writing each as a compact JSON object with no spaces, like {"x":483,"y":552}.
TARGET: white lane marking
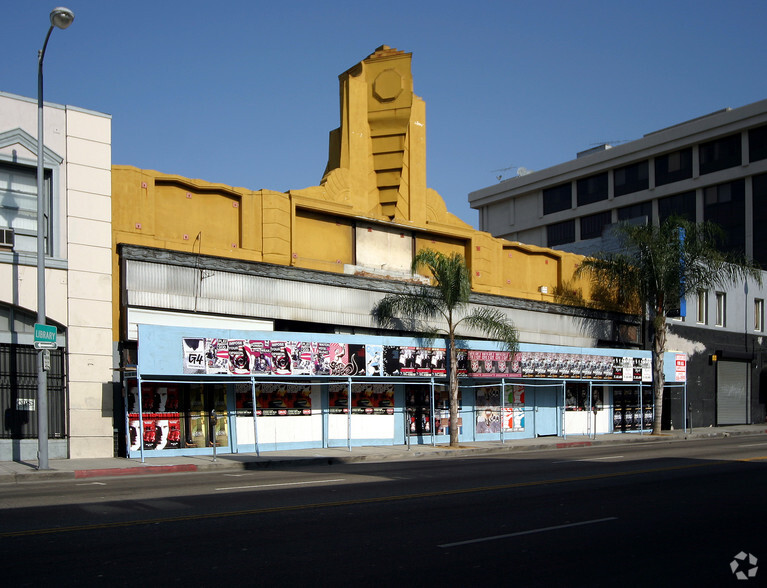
{"x":752,"y":445}
{"x":530,"y":532}
{"x":590,"y":459}
{"x":92,"y":484}
{"x":282,"y":484}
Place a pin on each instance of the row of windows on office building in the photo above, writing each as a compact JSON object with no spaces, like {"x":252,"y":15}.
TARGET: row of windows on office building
{"x":724,"y":204}
{"x":716,"y":155}
{"x":719,"y":317}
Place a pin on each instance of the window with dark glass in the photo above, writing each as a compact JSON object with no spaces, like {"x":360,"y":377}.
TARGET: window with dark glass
{"x":673,"y":167}
{"x":631,"y":178}
{"x":560,"y":233}
{"x":757,"y":143}
{"x":720,"y":154}
{"x":725,"y":204}
{"x":558,"y":198}
{"x":639,"y":210}
{"x":759,"y":219}
{"x":677,"y":205}
{"x":592,"y":189}
{"x":592,"y":225}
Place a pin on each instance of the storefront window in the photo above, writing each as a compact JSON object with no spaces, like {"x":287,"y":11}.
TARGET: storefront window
{"x":491,"y":416}
{"x":577,"y":397}
{"x":630,"y":411}
{"x":177,"y":416}
{"x":366,"y":398}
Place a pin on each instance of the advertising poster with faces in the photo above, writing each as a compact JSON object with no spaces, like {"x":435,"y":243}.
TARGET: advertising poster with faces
{"x":414,"y":361}
{"x":285,"y":358}
{"x":489,"y":410}
{"x":161,"y":416}
{"x":276,"y":400}
{"x":370,"y":399}
{"x":442,"y":411}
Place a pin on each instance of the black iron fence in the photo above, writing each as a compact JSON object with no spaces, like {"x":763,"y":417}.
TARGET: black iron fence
{"x":18,"y":393}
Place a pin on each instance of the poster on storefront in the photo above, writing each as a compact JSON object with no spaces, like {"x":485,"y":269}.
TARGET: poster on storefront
{"x":339,"y":359}
{"x":195,"y":430}
{"x":280,"y":399}
{"x":302,"y":356}
{"x":492,"y":364}
{"x":356,"y":360}
{"x":193,"y":349}
{"x":338,"y":399}
{"x":423,"y":361}
{"x":646,"y":369}
{"x":488,"y":410}
{"x":308,"y":358}
{"x":260,"y":357}
{"x":399,"y":361}
{"x":239,"y":357}
{"x":217,"y":356}
{"x":374,"y":360}
{"x":282,"y":364}
{"x":134,"y":432}
{"x":369,"y":399}
{"x":513,"y":419}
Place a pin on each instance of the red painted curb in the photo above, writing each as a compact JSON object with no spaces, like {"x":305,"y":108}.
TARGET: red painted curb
{"x":574,"y":444}
{"x":138,"y":471}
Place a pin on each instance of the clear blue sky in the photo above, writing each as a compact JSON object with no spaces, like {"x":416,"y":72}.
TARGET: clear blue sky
{"x":245,"y":92}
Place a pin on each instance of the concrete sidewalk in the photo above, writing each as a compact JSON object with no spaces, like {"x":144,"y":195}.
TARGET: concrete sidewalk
{"x":70,"y":469}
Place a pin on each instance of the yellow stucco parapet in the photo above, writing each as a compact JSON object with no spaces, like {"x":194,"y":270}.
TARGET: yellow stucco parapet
{"x":372,"y":203}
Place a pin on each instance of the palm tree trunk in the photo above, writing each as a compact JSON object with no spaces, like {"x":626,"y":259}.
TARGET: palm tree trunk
{"x":453,"y":392}
{"x":658,"y":378}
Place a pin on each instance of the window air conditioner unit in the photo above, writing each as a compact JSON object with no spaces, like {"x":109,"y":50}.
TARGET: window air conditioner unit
{"x":6,"y":238}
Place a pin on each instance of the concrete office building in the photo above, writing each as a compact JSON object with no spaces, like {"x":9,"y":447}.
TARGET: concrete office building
{"x":710,"y":168}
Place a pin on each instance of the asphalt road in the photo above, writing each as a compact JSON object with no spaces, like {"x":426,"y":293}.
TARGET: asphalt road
{"x":630,"y":514}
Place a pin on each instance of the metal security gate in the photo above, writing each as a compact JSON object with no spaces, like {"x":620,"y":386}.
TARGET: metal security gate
{"x":18,"y":393}
{"x":732,"y":385}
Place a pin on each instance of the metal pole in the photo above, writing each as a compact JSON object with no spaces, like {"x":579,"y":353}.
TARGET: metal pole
{"x":349,"y":413}
{"x":140,"y":418}
{"x":42,"y":376}
{"x":432,"y":416}
{"x":503,"y":406}
{"x":60,"y":17}
{"x":406,"y":414}
{"x":213,"y":423}
{"x":255,"y":424}
{"x":564,"y":409}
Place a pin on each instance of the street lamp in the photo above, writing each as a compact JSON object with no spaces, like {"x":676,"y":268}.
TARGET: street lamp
{"x":61,"y":18}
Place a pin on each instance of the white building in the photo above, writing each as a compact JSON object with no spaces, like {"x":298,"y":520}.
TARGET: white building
{"x":78,"y":279}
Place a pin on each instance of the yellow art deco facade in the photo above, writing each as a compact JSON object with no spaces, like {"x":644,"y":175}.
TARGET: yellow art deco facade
{"x":371,"y":211}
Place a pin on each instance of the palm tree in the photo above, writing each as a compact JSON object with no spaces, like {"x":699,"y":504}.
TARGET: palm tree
{"x":447,"y":299}
{"x":654,"y":270}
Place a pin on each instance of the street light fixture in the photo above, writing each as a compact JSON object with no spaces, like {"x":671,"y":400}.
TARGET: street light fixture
{"x":60,"y":18}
